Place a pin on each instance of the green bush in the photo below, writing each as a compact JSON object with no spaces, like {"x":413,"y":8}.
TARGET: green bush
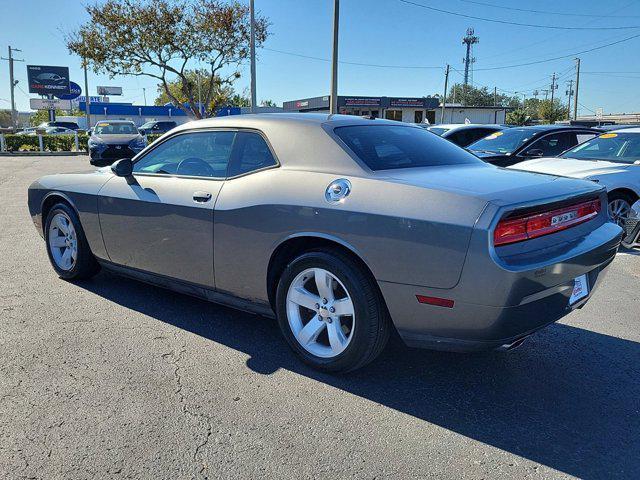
{"x":50,"y":143}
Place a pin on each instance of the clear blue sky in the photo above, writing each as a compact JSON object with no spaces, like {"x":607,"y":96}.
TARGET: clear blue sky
{"x":383,"y":32}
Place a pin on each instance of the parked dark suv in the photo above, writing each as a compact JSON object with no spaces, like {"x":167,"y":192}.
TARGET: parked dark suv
{"x":156,"y":127}
{"x":515,"y":145}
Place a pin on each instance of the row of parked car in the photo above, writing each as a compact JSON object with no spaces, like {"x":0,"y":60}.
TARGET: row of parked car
{"x":608,"y":156}
{"x":154,"y":127}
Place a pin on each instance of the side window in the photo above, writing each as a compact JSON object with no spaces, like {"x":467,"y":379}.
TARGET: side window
{"x":583,"y":137}
{"x":476,"y":135}
{"x":199,"y":154}
{"x":554,"y":144}
{"x":250,"y":153}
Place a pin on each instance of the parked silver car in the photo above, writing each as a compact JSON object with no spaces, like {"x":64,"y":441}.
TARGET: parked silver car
{"x":343,"y":227}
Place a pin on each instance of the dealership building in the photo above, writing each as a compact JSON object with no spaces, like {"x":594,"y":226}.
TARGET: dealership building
{"x":404,"y":109}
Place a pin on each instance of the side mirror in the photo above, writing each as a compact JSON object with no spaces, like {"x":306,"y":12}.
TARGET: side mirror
{"x":534,"y":152}
{"x":122,"y":167}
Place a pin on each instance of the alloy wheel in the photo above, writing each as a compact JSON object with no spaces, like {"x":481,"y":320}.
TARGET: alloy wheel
{"x":63,"y":241}
{"x":619,"y":211}
{"x":320,"y":312}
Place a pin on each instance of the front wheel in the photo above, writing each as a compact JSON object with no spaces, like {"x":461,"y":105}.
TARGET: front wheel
{"x":67,"y":246}
{"x":331,"y":312}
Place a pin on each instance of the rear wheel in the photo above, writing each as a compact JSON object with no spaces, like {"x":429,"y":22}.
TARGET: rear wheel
{"x":619,"y":207}
{"x":331,"y":312}
{"x":67,"y":246}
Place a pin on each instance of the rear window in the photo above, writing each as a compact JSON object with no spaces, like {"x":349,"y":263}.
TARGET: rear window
{"x":384,"y":147}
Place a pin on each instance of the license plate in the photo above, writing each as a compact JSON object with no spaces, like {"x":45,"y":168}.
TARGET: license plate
{"x":563,"y":218}
{"x":580,"y":289}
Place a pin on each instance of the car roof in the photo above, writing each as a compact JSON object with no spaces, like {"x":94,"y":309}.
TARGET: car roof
{"x":629,"y":130}
{"x":260,"y":119}
{"x":116,"y":121}
{"x":546,"y":128}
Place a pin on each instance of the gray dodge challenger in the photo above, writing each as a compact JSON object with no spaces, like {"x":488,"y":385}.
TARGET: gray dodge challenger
{"x":343,"y":228}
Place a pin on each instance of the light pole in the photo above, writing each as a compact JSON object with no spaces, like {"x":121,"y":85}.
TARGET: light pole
{"x":334,"y":58}
{"x":252,"y":46}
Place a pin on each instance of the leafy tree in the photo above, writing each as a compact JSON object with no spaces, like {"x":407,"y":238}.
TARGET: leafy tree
{"x":240,"y":100}
{"x":164,"y":39}
{"x":480,"y":97}
{"x":518,"y":117}
{"x":268,"y":103}
{"x":221,"y":93}
{"x":551,"y":112}
{"x":5,"y":118}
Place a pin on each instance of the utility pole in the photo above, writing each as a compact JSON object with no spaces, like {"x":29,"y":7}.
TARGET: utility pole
{"x":546,"y":94}
{"x":553,"y":86}
{"x":334,"y":58}
{"x":444,"y":97}
{"x":569,"y":92}
{"x":87,"y":100}
{"x":200,"y":94}
{"x":12,"y":85}
{"x":575,"y":100}
{"x":495,"y":104}
{"x":253,"y":56}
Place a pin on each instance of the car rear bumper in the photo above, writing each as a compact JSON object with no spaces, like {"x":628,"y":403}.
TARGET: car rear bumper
{"x":529,"y":302}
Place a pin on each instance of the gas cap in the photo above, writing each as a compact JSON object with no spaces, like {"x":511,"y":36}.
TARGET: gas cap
{"x":338,"y":190}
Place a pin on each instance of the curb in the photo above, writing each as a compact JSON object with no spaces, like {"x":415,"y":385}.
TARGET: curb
{"x":43,"y":154}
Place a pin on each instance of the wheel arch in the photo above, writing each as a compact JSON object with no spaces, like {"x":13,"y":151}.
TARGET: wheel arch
{"x":294,"y":245}
{"x":635,"y":196}
{"x":49,"y":200}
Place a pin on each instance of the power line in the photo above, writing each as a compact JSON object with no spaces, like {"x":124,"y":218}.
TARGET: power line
{"x":546,"y":12}
{"x":560,"y":57}
{"x":505,"y":22}
{"x":293,"y":54}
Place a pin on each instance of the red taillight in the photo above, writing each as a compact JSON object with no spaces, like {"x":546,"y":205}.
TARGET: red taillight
{"x":537,"y":224}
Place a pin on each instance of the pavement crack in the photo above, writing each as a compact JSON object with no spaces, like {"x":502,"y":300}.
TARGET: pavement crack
{"x":176,"y":359}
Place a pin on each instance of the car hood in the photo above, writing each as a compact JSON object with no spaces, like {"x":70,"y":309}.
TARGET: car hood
{"x":499,"y":186}
{"x":116,"y":139}
{"x":569,"y":167}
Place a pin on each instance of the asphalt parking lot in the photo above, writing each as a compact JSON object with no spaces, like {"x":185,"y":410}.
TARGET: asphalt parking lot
{"x":113,"y":378}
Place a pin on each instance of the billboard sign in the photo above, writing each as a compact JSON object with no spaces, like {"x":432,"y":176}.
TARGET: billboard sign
{"x":109,"y":90}
{"x":74,"y":92}
{"x":48,"y":80}
{"x":49,"y":104}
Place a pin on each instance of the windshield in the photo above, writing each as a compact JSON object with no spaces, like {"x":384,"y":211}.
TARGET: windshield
{"x":438,"y":130}
{"x":115,"y":129}
{"x":505,"y":141}
{"x":613,"y":147}
{"x":384,"y":147}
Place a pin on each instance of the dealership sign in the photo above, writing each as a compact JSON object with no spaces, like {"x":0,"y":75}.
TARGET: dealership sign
{"x":49,"y":104}
{"x":74,"y":92}
{"x":48,"y":80}
{"x":109,"y":90}
{"x":361,"y":101}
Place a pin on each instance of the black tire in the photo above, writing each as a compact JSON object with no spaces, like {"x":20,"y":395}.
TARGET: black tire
{"x":371,"y":330}
{"x":613,"y":196}
{"x":85,"y":265}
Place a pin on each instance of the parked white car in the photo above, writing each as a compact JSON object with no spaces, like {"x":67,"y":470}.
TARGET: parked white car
{"x":611,"y":159}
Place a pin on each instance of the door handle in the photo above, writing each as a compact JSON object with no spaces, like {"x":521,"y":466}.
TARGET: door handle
{"x":201,"y":197}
